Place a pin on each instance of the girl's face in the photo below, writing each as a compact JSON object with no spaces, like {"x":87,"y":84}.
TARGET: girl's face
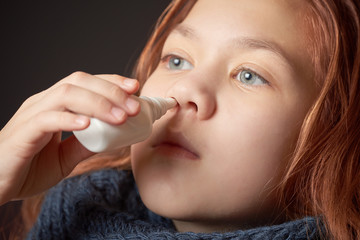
{"x":244,"y":82}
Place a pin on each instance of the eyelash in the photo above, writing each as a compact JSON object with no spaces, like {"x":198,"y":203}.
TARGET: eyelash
{"x":166,"y":57}
{"x":235,"y":72}
{"x":240,"y":69}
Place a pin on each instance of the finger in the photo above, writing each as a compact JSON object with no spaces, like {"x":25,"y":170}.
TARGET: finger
{"x":95,"y":84}
{"x":73,"y":100}
{"x":37,"y":131}
{"x":56,"y":121}
{"x":129,"y":85}
{"x":81,"y":101}
{"x":108,"y":86}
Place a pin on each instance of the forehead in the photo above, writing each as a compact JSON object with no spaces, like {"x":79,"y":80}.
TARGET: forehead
{"x":267,"y":19}
{"x":216,"y":23}
{"x":274,"y":10}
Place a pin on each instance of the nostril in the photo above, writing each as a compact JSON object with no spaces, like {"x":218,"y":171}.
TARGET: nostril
{"x":193,"y":105}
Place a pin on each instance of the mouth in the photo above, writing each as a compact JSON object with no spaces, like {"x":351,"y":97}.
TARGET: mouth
{"x":176,"y":146}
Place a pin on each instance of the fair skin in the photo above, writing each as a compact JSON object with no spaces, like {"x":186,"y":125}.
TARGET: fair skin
{"x":244,"y":85}
{"x":33,"y":157}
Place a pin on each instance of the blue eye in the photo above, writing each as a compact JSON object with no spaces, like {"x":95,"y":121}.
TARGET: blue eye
{"x":250,"y":78}
{"x":178,"y":63}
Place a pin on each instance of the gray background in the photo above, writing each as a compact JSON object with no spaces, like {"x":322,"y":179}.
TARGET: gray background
{"x":44,"y":41}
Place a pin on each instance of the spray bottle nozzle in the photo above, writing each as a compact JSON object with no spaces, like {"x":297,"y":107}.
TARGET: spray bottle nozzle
{"x":160,"y":106}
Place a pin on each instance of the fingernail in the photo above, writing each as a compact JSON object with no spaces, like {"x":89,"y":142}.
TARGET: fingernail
{"x":132,"y":104}
{"x":129,"y":82}
{"x":118,"y":113}
{"x":81,"y":120}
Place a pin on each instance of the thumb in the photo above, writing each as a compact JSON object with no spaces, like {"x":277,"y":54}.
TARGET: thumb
{"x":72,"y":153}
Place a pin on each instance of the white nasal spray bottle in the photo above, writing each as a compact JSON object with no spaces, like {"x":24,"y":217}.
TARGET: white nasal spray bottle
{"x":101,"y":136}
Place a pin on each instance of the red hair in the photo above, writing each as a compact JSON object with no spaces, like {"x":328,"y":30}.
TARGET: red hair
{"x":323,"y":177}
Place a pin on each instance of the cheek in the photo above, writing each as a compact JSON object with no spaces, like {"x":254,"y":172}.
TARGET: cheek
{"x":139,"y":154}
{"x":155,"y":86}
{"x":254,"y":145}
{"x":248,"y":155}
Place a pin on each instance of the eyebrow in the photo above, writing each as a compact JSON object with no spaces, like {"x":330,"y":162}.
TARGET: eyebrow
{"x":252,"y":43}
{"x":240,"y":42}
{"x":185,"y":31}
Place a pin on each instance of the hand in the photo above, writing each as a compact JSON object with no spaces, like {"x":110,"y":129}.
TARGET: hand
{"x":32,"y":156}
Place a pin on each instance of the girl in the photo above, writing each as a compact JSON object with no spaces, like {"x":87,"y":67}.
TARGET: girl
{"x":263,"y":144}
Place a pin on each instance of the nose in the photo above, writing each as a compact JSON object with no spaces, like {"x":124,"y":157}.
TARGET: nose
{"x":195,"y":96}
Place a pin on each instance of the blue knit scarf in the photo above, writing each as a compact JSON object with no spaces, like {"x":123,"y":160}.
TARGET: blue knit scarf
{"x":106,"y":205}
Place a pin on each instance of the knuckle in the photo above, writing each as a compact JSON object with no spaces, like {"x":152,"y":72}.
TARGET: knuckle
{"x":38,"y":119}
{"x":29,"y":100}
{"x":103,"y":103}
{"x":77,"y":76}
{"x":64,"y":89}
{"x":117,"y":92}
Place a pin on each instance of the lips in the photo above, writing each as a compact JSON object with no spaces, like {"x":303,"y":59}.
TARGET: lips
{"x":175,"y":145}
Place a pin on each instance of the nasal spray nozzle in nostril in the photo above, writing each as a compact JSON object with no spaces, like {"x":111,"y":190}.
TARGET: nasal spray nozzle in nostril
{"x":101,"y":136}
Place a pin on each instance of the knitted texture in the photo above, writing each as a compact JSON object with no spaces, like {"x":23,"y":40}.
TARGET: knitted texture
{"x":106,"y":205}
